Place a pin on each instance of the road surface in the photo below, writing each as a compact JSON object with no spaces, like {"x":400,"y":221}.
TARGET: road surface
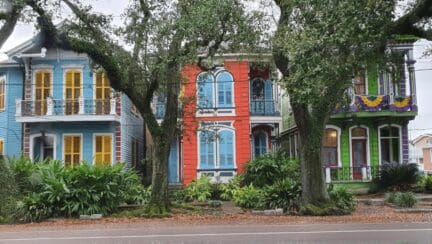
{"x":257,"y":233}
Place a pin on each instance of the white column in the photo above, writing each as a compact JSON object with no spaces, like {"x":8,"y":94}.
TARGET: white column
{"x":327,"y":175}
{"x":364,"y":173}
{"x":50,"y":106}
{"x":411,"y":74}
{"x":81,"y":105}
{"x":18,"y":110}
{"x":112,"y":106}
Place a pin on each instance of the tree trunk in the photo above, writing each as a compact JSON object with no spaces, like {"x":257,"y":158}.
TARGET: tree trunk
{"x":159,"y":198}
{"x":313,"y":180}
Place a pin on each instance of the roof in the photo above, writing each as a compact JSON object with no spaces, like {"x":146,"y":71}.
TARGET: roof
{"x":417,"y":139}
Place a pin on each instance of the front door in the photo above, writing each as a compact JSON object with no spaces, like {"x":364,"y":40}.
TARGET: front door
{"x":359,"y":156}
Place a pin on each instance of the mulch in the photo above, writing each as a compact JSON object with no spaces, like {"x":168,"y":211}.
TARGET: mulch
{"x":363,"y":214}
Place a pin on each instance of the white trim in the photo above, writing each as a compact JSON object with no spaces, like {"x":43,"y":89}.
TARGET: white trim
{"x":400,"y":141}
{"x":73,"y":66}
{"x":63,"y":145}
{"x":94,"y":146}
{"x":33,"y":136}
{"x":67,"y":118}
{"x":42,"y":66}
{"x":339,"y":134}
{"x":368,"y":163}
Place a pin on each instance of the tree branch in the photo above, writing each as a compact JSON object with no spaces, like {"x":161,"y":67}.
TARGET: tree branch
{"x":11,"y":20}
{"x":406,"y":25}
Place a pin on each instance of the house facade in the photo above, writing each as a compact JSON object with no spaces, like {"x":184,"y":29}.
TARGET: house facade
{"x":421,"y":152}
{"x":372,"y":130}
{"x":231,"y":116}
{"x":58,"y":104}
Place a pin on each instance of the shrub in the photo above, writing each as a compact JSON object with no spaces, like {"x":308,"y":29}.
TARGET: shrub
{"x":283,"y":194}
{"x":402,"y":199}
{"x":25,"y":174}
{"x":8,"y":193}
{"x":228,"y":189}
{"x":398,"y":176}
{"x":425,"y":184}
{"x":200,"y":189}
{"x":270,"y":168}
{"x":83,"y":189}
{"x":249,"y":197}
{"x":342,"y":199}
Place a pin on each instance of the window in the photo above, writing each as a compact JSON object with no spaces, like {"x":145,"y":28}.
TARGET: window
{"x":103,"y":93}
{"x":42,"y":90}
{"x":330,"y":147}
{"x":360,"y":83}
{"x":390,"y":144}
{"x":72,"y":91}
{"x":1,"y":147}
{"x":72,"y":150}
{"x":216,"y":148}
{"x":103,"y":149}
{"x":260,"y":143}
{"x":215,"y":90}
{"x":359,"y":151}
{"x":2,"y":93}
{"x":257,"y":89}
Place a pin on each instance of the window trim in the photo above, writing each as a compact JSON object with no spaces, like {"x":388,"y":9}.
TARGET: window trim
{"x":366,"y":84}
{"x":368,"y":163}
{"x":339,"y":134}
{"x":4,"y":79}
{"x":95,"y":87}
{"x":400,"y":142}
{"x":255,"y":133}
{"x":33,"y":136}
{"x":216,"y":152}
{"x":81,"y":146}
{"x":94,"y":146}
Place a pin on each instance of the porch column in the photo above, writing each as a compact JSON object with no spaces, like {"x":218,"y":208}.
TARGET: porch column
{"x":18,"y":111}
{"x":364,"y":173}
{"x":112,"y":106}
{"x":327,"y":175}
{"x":50,"y":106}
{"x":81,"y":105}
{"x":411,"y":74}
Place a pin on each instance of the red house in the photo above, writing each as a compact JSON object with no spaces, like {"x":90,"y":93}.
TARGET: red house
{"x":231,"y":116}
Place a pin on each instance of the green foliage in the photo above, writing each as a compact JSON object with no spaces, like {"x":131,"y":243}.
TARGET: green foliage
{"x":398,"y":176}
{"x":229,"y":188}
{"x":342,"y":199}
{"x":270,"y":168}
{"x":425,"y":183}
{"x":8,"y":193}
{"x":283,"y":194}
{"x":25,"y":174}
{"x":341,"y":203}
{"x":249,"y":197}
{"x":402,"y":199}
{"x":199,"y":190}
{"x":84,"y":189}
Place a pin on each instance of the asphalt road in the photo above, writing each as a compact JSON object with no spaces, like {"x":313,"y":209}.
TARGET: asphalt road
{"x":323,"y":233}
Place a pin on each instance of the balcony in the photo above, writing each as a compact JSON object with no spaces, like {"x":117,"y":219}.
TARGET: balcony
{"x":264,"y":108}
{"x":378,"y":105}
{"x":65,"y":110}
{"x":350,"y":174}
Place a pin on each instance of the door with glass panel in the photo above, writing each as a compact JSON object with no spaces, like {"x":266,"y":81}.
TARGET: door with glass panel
{"x":72,"y":91}
{"x":103,"y":94}
{"x":359,"y":151}
{"x":103,"y":152}
{"x":42,"y":90}
{"x":72,"y":150}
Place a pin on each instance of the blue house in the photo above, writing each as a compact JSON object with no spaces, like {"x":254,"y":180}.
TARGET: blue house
{"x":58,"y":104}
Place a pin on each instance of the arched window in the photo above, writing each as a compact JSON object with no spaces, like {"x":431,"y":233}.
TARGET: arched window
{"x":329,"y":152}
{"x":260,"y":144}
{"x":224,"y":90}
{"x":390,"y":144}
{"x":216,"y":148}
{"x":205,"y":83}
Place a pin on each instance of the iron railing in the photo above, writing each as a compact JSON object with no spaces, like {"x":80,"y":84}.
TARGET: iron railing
{"x":263,"y":107}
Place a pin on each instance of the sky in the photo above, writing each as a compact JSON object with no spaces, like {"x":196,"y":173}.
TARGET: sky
{"x":422,"y":123}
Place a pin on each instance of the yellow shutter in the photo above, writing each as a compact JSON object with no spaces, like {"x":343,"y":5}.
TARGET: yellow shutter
{"x":2,"y":93}
{"x":72,"y":91}
{"x":1,"y":147}
{"x":72,"y":150}
{"x":42,"y":91}
{"x":103,"y":93}
{"x":103,"y":150}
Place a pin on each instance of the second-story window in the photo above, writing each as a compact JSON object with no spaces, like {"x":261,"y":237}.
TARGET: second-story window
{"x":42,"y":90}
{"x":215,"y":90}
{"x":73,"y":91}
{"x":2,"y":93}
{"x":102,"y":93}
{"x":359,"y":81}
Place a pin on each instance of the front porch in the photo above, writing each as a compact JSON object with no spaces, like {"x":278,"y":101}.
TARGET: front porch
{"x":351,"y":174}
